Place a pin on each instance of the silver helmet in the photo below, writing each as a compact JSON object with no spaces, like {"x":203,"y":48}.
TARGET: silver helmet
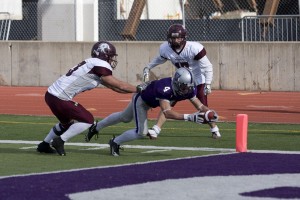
{"x":183,"y":82}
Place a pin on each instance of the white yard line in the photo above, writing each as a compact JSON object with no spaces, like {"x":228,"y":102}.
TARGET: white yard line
{"x":101,"y":146}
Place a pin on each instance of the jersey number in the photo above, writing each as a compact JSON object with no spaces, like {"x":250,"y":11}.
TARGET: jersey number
{"x":75,"y":68}
{"x":182,"y":64}
{"x":166,"y":89}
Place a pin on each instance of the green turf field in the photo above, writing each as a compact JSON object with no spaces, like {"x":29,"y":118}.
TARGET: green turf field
{"x":19,"y":136}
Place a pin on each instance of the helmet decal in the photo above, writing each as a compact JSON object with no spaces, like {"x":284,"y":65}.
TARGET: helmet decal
{"x":103,"y":47}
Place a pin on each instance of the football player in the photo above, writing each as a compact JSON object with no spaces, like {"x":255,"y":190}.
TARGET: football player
{"x":188,"y":54}
{"x":87,"y":75}
{"x":163,"y":93}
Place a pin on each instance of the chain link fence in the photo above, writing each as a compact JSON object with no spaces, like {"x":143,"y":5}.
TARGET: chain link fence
{"x":148,"y":20}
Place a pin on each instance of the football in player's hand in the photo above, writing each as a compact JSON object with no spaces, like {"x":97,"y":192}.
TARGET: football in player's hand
{"x":210,"y":116}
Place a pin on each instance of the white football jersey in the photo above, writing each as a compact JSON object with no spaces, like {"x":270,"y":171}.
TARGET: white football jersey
{"x":193,"y":56}
{"x":80,"y":78}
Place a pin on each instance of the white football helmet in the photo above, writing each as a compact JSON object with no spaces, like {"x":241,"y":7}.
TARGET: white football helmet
{"x":183,"y":82}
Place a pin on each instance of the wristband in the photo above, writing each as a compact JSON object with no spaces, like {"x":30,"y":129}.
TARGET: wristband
{"x":186,"y":117}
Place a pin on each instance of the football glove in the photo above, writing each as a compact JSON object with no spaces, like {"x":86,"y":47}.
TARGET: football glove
{"x":153,"y":132}
{"x":141,"y":87}
{"x":146,"y":72}
{"x":197,"y":117}
{"x":207,"y":89}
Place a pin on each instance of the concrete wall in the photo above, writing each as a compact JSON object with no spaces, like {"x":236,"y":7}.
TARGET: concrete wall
{"x":237,"y":66}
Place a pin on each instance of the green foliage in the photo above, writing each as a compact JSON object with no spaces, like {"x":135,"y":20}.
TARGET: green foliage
{"x":23,"y":158}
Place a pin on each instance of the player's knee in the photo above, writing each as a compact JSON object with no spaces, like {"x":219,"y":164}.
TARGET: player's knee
{"x":142,"y":132}
{"x":126,"y":118}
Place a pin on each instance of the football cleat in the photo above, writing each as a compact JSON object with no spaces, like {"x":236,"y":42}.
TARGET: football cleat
{"x":92,"y":132}
{"x":44,"y":147}
{"x":58,"y":145}
{"x":114,"y":147}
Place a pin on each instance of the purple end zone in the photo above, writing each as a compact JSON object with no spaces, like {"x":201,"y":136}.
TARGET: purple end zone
{"x":57,"y":185}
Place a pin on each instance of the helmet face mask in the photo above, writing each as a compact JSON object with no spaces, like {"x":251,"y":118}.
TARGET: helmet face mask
{"x":113,"y":61}
{"x":176,"y":42}
{"x":176,"y":36}
{"x":183,"y":82}
{"x":105,"y":51}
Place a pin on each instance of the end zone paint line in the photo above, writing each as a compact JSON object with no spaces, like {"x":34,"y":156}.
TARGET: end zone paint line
{"x":101,"y":146}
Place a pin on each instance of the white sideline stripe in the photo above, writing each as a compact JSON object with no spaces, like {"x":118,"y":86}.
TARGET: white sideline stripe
{"x":95,"y":145}
{"x":101,"y":146}
{"x":154,"y":151}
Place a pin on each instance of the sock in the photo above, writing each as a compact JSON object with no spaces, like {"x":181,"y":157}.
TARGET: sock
{"x":75,"y":129}
{"x":51,"y":135}
{"x":156,"y":129}
{"x":214,"y":129}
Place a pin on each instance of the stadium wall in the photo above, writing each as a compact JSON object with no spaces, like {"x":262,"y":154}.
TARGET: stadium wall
{"x":237,"y":66}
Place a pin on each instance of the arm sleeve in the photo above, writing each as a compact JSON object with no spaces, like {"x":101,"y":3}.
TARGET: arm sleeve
{"x":156,"y":61}
{"x":160,"y":59}
{"x":205,"y":65}
{"x":208,"y":69}
{"x":101,"y":71}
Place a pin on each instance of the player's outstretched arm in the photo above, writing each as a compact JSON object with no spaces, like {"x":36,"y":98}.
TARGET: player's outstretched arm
{"x":165,"y":107}
{"x":117,"y":85}
{"x":203,"y":115}
{"x":209,"y":116}
{"x":198,"y":105}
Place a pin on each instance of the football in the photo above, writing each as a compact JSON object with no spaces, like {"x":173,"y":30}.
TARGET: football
{"x":210,"y":116}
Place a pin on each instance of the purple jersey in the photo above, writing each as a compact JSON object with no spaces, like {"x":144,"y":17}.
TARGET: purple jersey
{"x":162,"y":89}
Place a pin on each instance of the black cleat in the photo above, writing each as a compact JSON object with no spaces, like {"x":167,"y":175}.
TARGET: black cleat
{"x":114,"y":147}
{"x":92,"y":132}
{"x":44,"y":147}
{"x":58,"y":144}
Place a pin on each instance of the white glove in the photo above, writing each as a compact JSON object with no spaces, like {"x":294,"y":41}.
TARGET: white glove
{"x":153,"y":132}
{"x":146,"y":72}
{"x":207,"y":89}
{"x":141,"y":87}
{"x":197,"y":117}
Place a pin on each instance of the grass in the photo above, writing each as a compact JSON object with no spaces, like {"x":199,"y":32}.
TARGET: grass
{"x":23,"y":158}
